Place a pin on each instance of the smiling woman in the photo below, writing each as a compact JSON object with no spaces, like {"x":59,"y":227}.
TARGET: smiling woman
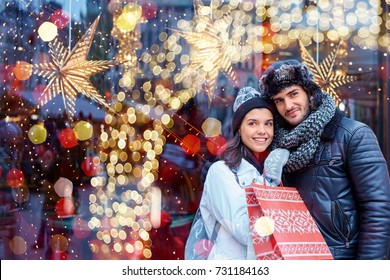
{"x":257,"y":130}
{"x":223,"y":204}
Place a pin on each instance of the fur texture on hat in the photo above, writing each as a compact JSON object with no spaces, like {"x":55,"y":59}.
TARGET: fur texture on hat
{"x":247,"y":99}
{"x":283,"y":74}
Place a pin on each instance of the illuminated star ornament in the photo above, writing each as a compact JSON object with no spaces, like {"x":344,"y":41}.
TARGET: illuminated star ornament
{"x":213,"y":51}
{"x":68,"y":72}
{"x":323,"y":73}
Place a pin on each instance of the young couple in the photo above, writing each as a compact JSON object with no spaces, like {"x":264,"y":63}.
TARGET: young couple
{"x":335,"y":162}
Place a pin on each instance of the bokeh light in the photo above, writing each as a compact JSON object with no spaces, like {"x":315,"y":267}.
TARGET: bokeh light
{"x":212,"y":127}
{"x":264,"y":226}
{"x":191,"y":144}
{"x":60,"y":18}
{"x":47,"y":31}
{"x":22,"y":70}
{"x":216,"y":145}
{"x":58,"y":243}
{"x":18,"y":245}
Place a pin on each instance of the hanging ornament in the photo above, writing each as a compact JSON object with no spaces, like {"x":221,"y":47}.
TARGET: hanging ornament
{"x":68,"y":138}
{"x":68,"y":73}
{"x":83,"y":130}
{"x":63,"y":187}
{"x":323,"y":73}
{"x":213,"y":49}
{"x":89,"y":167}
{"x":37,"y":134}
{"x":15,"y":178}
{"x":64,"y":207}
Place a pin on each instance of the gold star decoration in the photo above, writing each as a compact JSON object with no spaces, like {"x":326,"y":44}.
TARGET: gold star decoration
{"x":212,"y":50}
{"x":323,"y":73}
{"x":68,"y":72}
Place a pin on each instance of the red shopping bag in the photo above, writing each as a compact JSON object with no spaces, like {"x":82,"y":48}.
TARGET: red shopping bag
{"x":282,"y":226}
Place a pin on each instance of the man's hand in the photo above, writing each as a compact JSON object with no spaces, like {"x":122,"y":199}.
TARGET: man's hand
{"x":273,"y":165}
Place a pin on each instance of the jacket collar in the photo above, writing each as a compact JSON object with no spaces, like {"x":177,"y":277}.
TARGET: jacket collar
{"x":331,"y":127}
{"x":244,"y":167}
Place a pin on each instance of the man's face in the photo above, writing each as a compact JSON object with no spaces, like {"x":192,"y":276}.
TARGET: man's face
{"x":292,"y":104}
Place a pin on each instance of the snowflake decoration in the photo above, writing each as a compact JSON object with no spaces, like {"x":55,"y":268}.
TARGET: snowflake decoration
{"x":68,"y":72}
{"x":212,"y":49}
{"x":323,"y":73}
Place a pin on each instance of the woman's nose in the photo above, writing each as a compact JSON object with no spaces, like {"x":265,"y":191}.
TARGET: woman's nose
{"x":261,"y":129}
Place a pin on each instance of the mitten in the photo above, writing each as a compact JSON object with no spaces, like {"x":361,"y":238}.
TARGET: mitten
{"x":273,"y":165}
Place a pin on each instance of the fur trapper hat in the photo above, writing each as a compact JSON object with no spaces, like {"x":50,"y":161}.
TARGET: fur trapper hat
{"x":283,"y":74}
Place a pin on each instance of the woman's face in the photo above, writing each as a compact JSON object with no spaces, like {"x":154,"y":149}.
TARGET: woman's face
{"x":257,"y":130}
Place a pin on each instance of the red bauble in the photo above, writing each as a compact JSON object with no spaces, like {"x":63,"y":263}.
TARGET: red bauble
{"x":88,"y":166}
{"x":15,"y":178}
{"x":68,"y":138}
{"x":64,"y":207}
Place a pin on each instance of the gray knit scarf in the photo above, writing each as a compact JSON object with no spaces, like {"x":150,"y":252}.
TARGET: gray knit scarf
{"x":302,"y":141}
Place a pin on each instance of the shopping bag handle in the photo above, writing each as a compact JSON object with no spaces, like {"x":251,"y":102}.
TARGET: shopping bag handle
{"x":265,"y":181}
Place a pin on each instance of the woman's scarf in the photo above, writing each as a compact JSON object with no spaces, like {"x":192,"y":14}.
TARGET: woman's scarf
{"x":302,"y":141}
{"x":258,"y":163}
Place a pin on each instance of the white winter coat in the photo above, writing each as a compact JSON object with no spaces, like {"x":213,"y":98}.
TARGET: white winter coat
{"x":224,"y":200}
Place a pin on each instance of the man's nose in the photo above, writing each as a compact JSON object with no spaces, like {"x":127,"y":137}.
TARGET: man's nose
{"x":288,"y":103}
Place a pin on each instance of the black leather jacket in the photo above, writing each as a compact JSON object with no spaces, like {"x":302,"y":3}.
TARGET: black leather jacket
{"x":347,"y":190}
